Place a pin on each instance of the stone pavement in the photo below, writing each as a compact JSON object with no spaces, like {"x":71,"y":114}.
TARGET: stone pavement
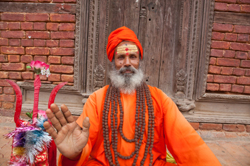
{"x":231,"y":148}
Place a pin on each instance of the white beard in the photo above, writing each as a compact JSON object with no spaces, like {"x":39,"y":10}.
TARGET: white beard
{"x":128,"y":82}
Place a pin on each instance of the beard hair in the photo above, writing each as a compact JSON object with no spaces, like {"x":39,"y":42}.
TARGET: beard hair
{"x":126,"y":82}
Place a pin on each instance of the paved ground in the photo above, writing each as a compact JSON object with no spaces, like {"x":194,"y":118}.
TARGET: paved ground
{"x":232,"y":149}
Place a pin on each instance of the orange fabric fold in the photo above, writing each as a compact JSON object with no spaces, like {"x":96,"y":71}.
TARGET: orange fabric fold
{"x":171,"y":131}
{"x":119,"y":35}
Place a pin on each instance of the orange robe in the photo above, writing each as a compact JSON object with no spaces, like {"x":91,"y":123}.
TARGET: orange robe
{"x":171,"y":130}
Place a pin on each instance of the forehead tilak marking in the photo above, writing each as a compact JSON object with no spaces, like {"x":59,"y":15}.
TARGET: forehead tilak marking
{"x":127,"y":49}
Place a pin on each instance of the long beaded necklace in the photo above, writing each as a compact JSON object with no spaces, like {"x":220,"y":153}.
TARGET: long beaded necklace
{"x":113,"y":97}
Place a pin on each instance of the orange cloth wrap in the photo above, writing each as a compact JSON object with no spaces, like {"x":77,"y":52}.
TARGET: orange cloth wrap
{"x":119,"y":35}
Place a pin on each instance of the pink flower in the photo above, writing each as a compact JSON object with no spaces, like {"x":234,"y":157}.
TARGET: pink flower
{"x":38,"y":65}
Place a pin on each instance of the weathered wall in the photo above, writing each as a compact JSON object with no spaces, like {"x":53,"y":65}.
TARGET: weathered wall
{"x":48,"y":37}
{"x":229,"y":68}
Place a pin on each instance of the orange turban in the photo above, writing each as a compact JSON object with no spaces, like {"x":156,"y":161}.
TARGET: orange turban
{"x":119,"y":35}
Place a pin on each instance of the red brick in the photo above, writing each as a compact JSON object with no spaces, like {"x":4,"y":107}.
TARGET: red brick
{"x":14,"y":42}
{"x":61,"y":69}
{"x":237,"y":88}
{"x":26,"y":25}
{"x":224,"y":79}
{"x":54,"y":59}
{"x":245,"y":63}
{"x":220,"y":6}
{"x":62,"y":35}
{"x":62,"y":17}
{"x":4,"y":83}
{"x":67,"y":27}
{"x":8,"y":105}
{"x":42,"y":77}
{"x":68,"y":60}
{"x":220,"y":44}
{"x":231,"y":37}
{"x":62,"y":51}
{"x":37,"y":51}
{"x":12,"y":34}
{"x":12,"y":50}
{"x":37,"y":17}
{"x":223,"y":27}
{"x":210,"y":78}
{"x":245,"y":8}
{"x":212,"y":61}
{"x":12,"y":17}
{"x":13,"y":66}
{"x":194,"y":125}
{"x":212,"y":87}
{"x":26,"y":58}
{"x":228,"y":54}
{"x":39,"y":43}
{"x":67,"y":43}
{"x":216,"y":53}
{"x":39,"y":26}
{"x":3,"y":58}
{"x":226,"y":70}
{"x":45,"y":0}
{"x":14,"y":25}
{"x":243,"y":37}
{"x":14,"y":58}
{"x":58,"y":1}
{"x":4,"y":75}
{"x":52,"y":26}
{"x":241,"y":55}
{"x":3,"y":42}
{"x":218,"y":36}
{"x":67,"y":78}
{"x":234,"y":7}
{"x":27,"y":42}
{"x":241,"y":29}
{"x":240,"y":46}
{"x":15,"y":75}
{"x":52,"y":43}
{"x":244,"y":1}
{"x":214,"y":69}
{"x":40,"y":58}
{"x":247,"y":73}
{"x":69,"y":1}
{"x":225,"y":87}
{"x":234,"y":127}
{"x":210,"y":126}
{"x":38,"y":35}
{"x":54,"y":77}
{"x":9,"y":98}
{"x":1,"y":90}
{"x":27,"y":75}
{"x":248,"y":128}
{"x":3,"y":25}
{"x":228,"y":1}
{"x":247,"y":89}
{"x":243,"y":80}
{"x":228,"y":62}
{"x":238,"y":72}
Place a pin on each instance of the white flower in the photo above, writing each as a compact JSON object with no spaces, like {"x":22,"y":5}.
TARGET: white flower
{"x":43,"y":71}
{"x":47,"y":73}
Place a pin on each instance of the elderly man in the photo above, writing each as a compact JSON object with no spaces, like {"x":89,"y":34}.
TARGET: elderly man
{"x":127,"y":122}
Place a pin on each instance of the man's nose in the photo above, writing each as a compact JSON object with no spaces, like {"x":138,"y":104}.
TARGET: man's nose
{"x":127,"y":62}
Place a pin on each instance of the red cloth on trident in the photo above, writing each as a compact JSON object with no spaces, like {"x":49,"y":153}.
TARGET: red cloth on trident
{"x":119,"y":35}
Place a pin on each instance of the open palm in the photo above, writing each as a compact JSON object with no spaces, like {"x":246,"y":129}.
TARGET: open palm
{"x":69,"y":137}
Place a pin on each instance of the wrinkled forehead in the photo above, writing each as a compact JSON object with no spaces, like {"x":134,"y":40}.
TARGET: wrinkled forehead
{"x":126,"y":48}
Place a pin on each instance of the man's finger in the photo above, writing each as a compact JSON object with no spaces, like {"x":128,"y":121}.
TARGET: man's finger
{"x":59,"y":115}
{"x":67,"y":113}
{"x":56,"y":124}
{"x":49,"y":129}
{"x":85,"y":124}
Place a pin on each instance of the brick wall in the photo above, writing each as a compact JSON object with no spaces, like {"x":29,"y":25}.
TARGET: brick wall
{"x":48,"y":37}
{"x":229,"y":67}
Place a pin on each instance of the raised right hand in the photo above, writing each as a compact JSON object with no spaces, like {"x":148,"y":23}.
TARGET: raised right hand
{"x":69,"y":138}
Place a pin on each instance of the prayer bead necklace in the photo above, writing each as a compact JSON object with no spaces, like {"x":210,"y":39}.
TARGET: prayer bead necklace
{"x":113,"y":97}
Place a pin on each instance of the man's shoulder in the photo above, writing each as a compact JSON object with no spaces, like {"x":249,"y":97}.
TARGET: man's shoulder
{"x":99,"y":92}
